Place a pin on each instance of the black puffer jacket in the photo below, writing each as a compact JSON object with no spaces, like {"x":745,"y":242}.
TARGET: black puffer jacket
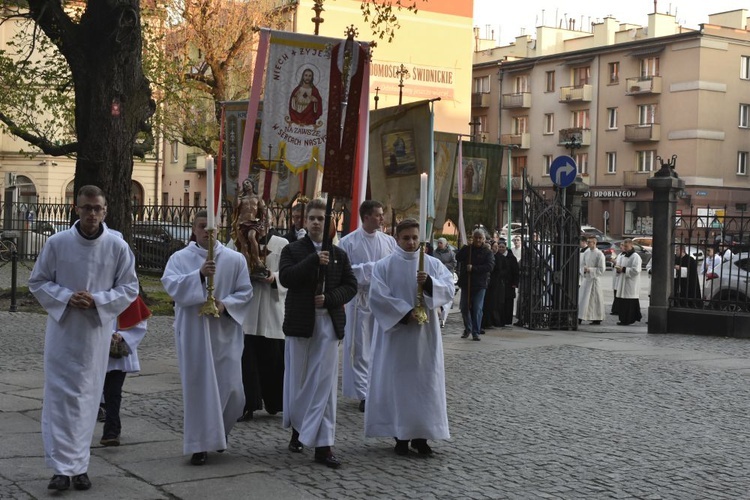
{"x":482,"y":262}
{"x":298,"y":271}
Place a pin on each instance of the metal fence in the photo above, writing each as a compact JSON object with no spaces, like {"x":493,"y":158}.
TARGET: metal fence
{"x":157,"y":230}
{"x":712,"y":260}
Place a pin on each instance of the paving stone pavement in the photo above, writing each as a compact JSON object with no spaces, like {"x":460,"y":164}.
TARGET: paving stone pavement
{"x":601,"y":412}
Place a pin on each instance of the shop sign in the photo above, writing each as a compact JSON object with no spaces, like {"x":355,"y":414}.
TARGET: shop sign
{"x":610,"y":193}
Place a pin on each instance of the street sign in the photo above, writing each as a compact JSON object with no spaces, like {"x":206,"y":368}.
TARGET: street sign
{"x":563,"y":171}
{"x":606,"y":215}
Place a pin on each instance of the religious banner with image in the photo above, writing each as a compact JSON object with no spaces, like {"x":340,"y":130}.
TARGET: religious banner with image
{"x":480,"y":181}
{"x":295,"y":104}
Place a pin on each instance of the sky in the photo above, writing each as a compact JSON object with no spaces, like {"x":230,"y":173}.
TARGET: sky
{"x":507,"y":18}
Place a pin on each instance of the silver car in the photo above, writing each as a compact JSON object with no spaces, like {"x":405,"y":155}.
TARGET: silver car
{"x":729,"y":288}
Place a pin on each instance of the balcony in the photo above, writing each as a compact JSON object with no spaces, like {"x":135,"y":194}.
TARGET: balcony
{"x":579,"y":93}
{"x":580,"y":135}
{"x":635,"y":178}
{"x":642,"y":133}
{"x":196,"y":162}
{"x":523,"y":141}
{"x":519,"y":101}
{"x":515,"y":182}
{"x":643,"y":85}
{"x":480,"y":100}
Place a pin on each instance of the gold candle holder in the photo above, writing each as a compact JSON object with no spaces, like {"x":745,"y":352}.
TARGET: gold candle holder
{"x":209,"y":308}
{"x":419,"y":310}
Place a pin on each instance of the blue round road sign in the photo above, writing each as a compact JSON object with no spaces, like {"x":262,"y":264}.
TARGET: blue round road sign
{"x":563,"y":171}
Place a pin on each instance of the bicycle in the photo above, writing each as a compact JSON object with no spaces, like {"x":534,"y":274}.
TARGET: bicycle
{"x":7,"y":247}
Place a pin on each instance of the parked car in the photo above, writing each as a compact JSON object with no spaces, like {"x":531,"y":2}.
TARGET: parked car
{"x":154,"y":242}
{"x":515,"y":230}
{"x":645,"y":241}
{"x":592,"y":230}
{"x":729,"y":289}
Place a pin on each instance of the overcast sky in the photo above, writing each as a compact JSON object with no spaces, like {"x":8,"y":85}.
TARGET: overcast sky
{"x":507,"y":18}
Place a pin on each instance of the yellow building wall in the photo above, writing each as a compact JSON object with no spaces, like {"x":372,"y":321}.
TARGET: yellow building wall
{"x":435,"y":45}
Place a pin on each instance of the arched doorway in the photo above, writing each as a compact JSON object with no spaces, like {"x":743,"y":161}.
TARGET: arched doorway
{"x":26,"y":190}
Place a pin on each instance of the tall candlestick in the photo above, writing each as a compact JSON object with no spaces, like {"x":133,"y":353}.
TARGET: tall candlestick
{"x":211,"y":223}
{"x":423,"y":207}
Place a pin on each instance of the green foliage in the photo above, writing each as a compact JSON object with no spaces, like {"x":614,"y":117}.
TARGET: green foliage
{"x":37,"y":87}
{"x":381,"y":14}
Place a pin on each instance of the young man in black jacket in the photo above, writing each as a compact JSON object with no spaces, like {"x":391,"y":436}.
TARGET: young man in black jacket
{"x":314,"y":324}
{"x":475,"y":261}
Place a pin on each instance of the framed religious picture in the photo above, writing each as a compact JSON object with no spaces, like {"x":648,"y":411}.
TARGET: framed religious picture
{"x":399,"y":155}
{"x":474,"y":178}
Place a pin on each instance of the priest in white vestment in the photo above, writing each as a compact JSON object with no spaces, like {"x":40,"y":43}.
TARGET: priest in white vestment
{"x":84,"y":278}
{"x":406,"y":392}
{"x":629,"y":285}
{"x":365,"y":247}
{"x":209,"y":349}
{"x":590,"y":291}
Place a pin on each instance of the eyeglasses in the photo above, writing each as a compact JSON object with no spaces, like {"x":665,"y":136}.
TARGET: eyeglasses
{"x":96,"y":209}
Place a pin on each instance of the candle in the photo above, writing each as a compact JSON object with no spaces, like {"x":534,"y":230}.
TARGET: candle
{"x":423,"y":207}
{"x":210,"y":194}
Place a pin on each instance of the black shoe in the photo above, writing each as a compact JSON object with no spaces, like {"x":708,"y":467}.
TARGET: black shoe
{"x":596,"y":322}
{"x":476,"y":337}
{"x":113,"y":441}
{"x":294,"y":444}
{"x":199,"y":458}
{"x":481,"y":332}
{"x":247,"y":415}
{"x":328,"y":459}
{"x":402,"y":447}
{"x":580,"y":321}
{"x":362,"y":406}
{"x":465,"y":335}
{"x":101,"y":415}
{"x":272,"y":412}
{"x":623,"y":324}
{"x":421,"y":446}
{"x":59,"y":483}
{"x":81,"y":482}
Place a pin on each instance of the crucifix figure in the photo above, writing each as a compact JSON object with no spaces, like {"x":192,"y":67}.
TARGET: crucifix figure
{"x":402,"y":73}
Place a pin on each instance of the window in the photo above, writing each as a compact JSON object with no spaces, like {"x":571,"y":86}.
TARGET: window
{"x":614,"y":73}
{"x":745,"y":67}
{"x":165,"y":198}
{"x":581,"y":76}
{"x":646,"y":114}
{"x":547,"y":159}
{"x":521,"y":84}
{"x":549,"y":123}
{"x":742,"y":159}
{"x":649,"y":67}
{"x":197,"y":199}
{"x":581,"y":119}
{"x":175,"y":149}
{"x":611,"y":163}
{"x":645,"y":160}
{"x":744,"y":115}
{"x":612,"y":118}
{"x":582,"y":160}
{"x":549,"y":81}
{"x":482,"y":85}
{"x":520,"y":125}
{"x":518,"y":164}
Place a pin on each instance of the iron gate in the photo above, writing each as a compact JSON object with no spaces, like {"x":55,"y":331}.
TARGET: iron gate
{"x":548,"y":288}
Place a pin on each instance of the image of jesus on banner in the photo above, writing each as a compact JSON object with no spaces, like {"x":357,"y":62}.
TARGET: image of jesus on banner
{"x":305,"y":103}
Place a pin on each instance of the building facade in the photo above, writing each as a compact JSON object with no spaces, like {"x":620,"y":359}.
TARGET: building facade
{"x":624,"y":96}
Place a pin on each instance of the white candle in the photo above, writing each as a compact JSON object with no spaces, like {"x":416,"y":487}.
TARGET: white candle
{"x":210,"y":194}
{"x":423,"y":207}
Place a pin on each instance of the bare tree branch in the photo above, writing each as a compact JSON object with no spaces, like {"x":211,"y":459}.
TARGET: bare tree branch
{"x":45,"y":145}
{"x":52,"y":19}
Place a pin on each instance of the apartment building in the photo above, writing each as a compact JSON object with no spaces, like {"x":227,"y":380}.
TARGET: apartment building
{"x":627,"y":95}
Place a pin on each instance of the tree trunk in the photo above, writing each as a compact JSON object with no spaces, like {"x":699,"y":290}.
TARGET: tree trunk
{"x":113,"y":103}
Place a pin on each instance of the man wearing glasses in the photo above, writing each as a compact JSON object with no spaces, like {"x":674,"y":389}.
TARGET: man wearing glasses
{"x":84,"y":278}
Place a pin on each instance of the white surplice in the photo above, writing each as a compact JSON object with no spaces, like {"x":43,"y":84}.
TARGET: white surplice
{"x":590,"y":292}
{"x":209,"y":349}
{"x":629,"y":285}
{"x":266,"y":312}
{"x":76,"y":345}
{"x":364,"y":250}
{"x":406,"y":391}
